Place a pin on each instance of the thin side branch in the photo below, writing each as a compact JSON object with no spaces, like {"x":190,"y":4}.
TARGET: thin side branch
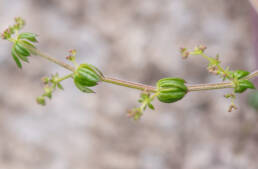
{"x":50,"y":58}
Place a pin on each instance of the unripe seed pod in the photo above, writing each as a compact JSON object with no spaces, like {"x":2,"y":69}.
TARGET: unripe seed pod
{"x":171,"y":89}
{"x":86,"y":76}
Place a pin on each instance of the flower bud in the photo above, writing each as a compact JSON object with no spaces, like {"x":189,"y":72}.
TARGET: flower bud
{"x":48,"y":92}
{"x":171,"y":89}
{"x":41,"y":100}
{"x":202,"y":48}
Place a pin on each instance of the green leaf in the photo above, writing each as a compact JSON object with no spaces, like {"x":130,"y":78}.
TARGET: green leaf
{"x":24,"y":58}
{"x":243,"y":85}
{"x":83,"y":88}
{"x":140,"y":100}
{"x":28,"y":44}
{"x":29,"y":36}
{"x":246,"y":84}
{"x":15,"y":58}
{"x":151,"y":106}
{"x":144,"y":107}
{"x":239,"y":74}
{"x":60,"y":86}
{"x":145,"y":95}
{"x":20,"y":50}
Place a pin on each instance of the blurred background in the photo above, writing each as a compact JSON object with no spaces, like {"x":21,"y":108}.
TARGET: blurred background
{"x":137,"y":41}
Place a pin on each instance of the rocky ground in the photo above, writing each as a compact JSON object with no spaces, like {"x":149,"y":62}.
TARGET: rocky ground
{"x":137,"y":41}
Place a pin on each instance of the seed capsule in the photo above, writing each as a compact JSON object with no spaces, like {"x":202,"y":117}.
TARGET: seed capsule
{"x":171,"y":89}
{"x":86,"y":76}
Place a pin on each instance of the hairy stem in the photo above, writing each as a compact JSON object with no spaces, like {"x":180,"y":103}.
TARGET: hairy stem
{"x":138,"y":86}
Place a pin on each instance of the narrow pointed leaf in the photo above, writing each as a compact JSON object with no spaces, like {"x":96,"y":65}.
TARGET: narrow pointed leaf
{"x":20,"y":50}
{"x":29,"y":36}
{"x":15,"y":58}
{"x":27,"y":45}
{"x":60,"y":86}
{"x":239,"y":74}
{"x":243,"y":85}
{"x":83,"y":88}
{"x":151,"y":106}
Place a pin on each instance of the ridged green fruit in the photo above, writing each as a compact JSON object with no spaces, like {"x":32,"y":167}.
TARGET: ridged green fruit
{"x":85,"y":76}
{"x":171,"y":89}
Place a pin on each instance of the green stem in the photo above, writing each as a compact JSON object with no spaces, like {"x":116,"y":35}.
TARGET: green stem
{"x":50,"y":58}
{"x":200,"y":87}
{"x":206,"y":57}
{"x":138,"y":86}
{"x":218,"y":66}
{"x":65,"y":77}
{"x":129,"y":84}
{"x":252,"y":75}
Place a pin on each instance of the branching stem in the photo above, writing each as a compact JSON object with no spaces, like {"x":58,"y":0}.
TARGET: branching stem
{"x":138,"y":86}
{"x":65,"y":77}
{"x":50,"y":58}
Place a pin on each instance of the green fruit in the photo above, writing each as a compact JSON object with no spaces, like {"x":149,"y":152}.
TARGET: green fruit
{"x":171,"y":89}
{"x":86,"y":76}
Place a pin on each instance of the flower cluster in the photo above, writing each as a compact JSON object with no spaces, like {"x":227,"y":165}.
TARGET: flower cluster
{"x":22,"y":43}
{"x":51,"y":83}
{"x":237,"y":77}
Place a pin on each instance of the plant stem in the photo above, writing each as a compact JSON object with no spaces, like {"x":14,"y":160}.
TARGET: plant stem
{"x":65,"y":77}
{"x":200,"y":87}
{"x":138,"y":86}
{"x":129,"y":84}
{"x":252,"y":75}
{"x":51,"y":59}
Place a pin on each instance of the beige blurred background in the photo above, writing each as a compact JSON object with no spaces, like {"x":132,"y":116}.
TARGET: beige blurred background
{"x":136,"y":40}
